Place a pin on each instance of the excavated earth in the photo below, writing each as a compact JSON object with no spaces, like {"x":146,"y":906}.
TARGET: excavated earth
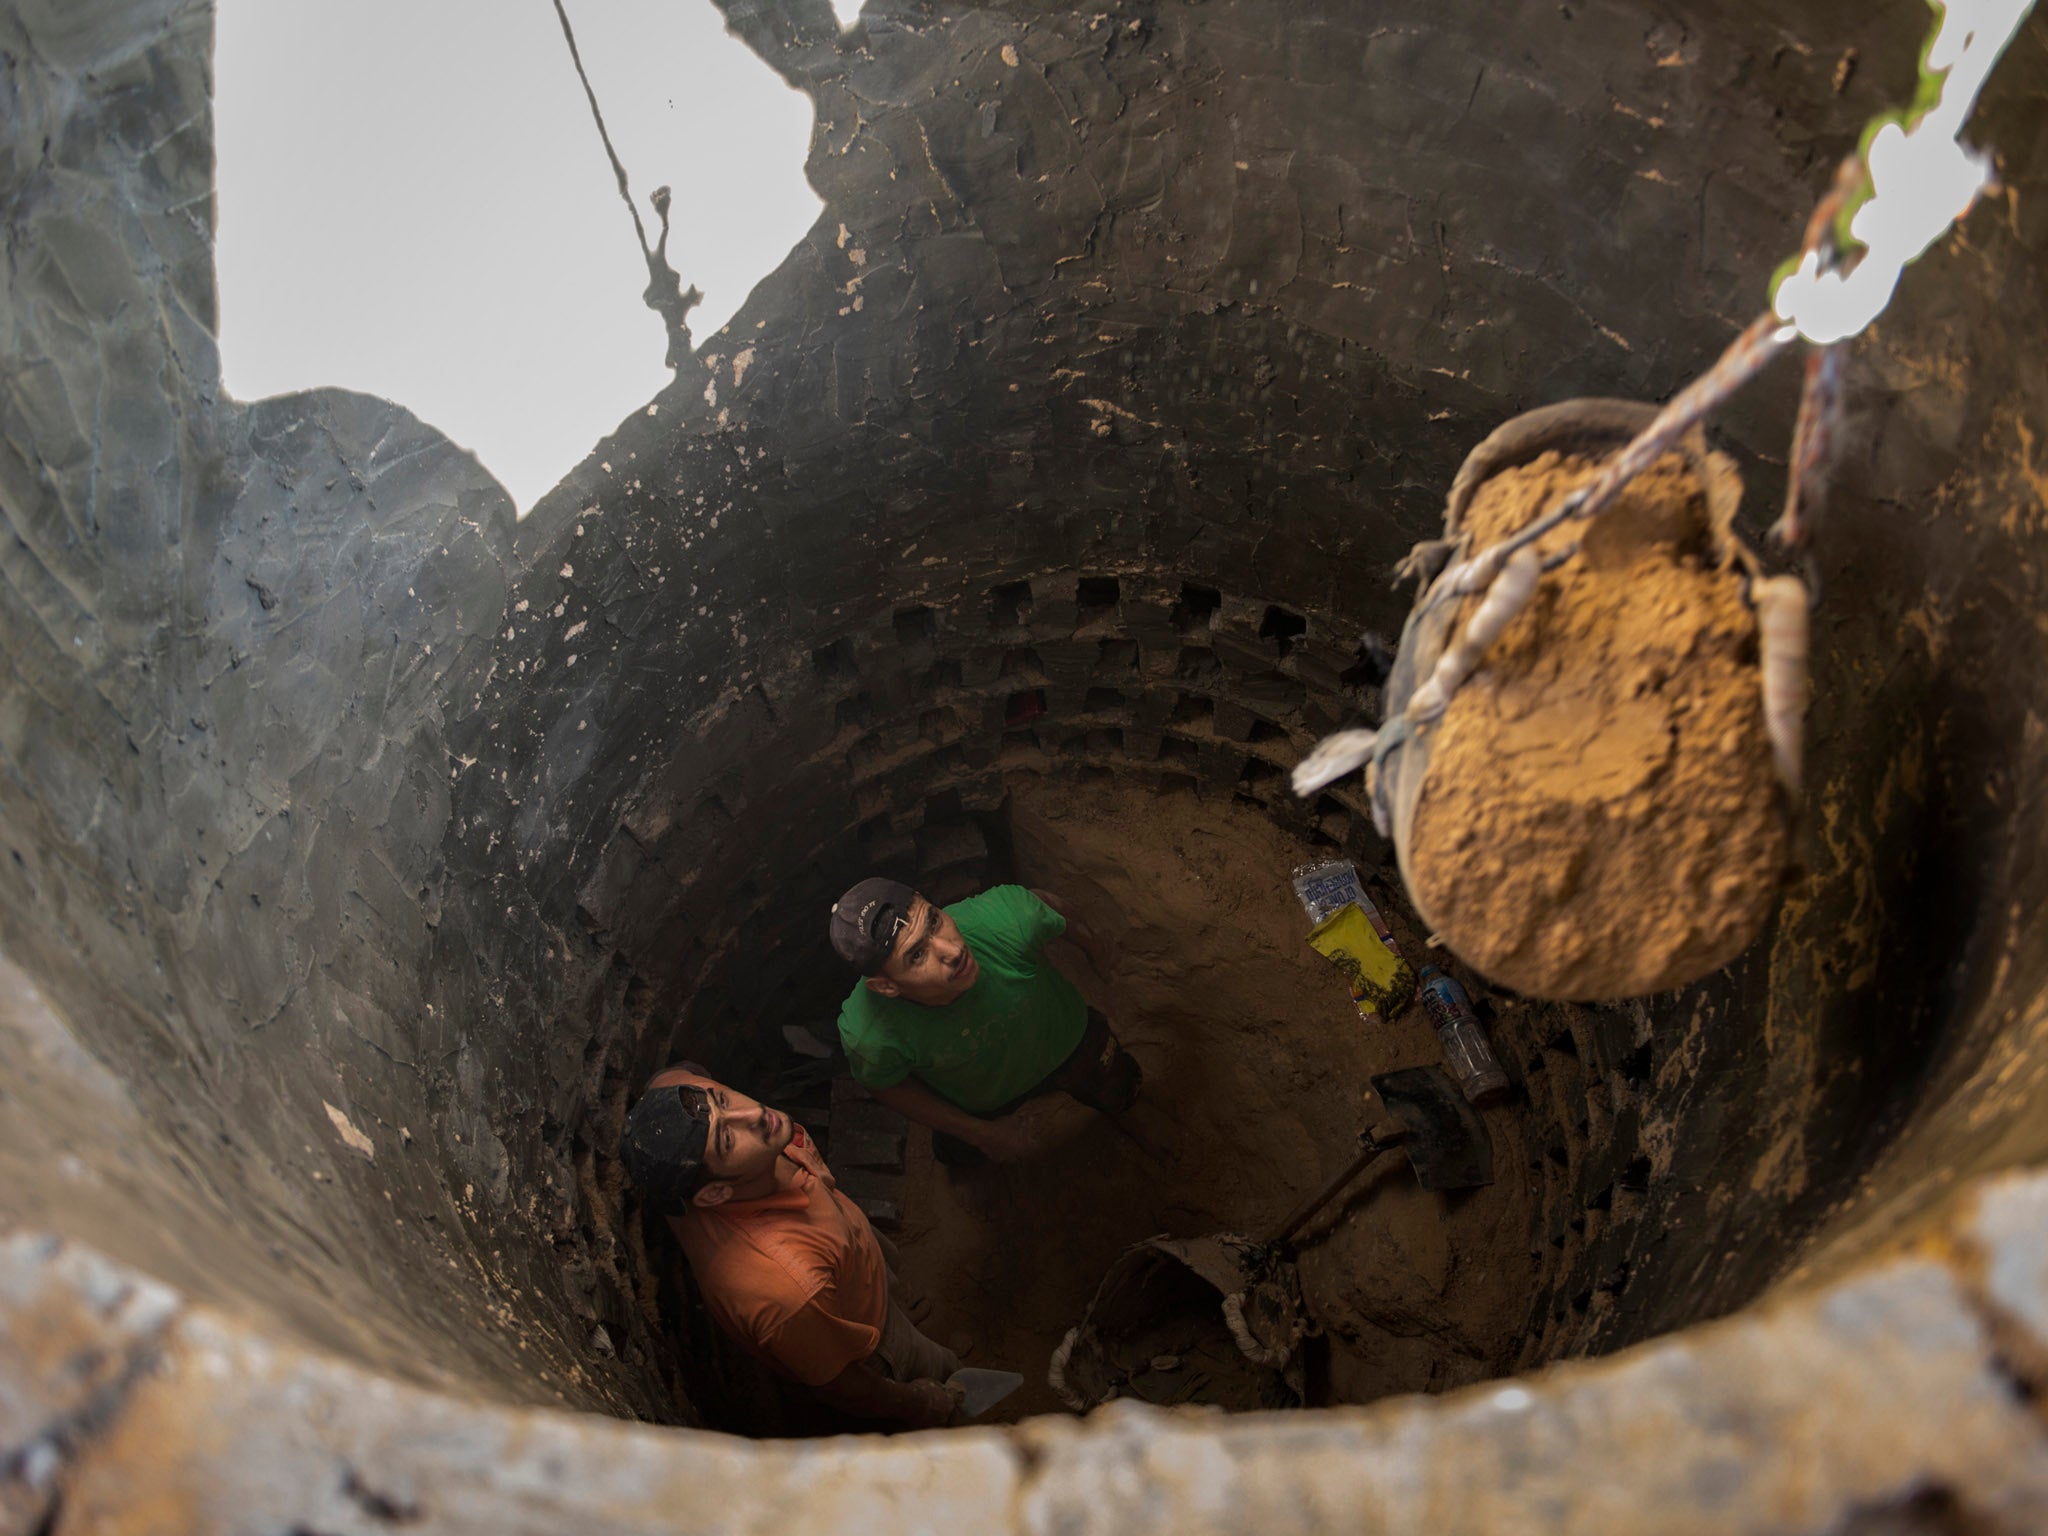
{"x":1600,"y":817}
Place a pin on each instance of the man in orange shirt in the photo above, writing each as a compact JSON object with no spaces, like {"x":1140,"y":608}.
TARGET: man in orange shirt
{"x":787,"y":1264}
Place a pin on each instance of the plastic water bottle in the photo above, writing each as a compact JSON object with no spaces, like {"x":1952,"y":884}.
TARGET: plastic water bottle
{"x":1466,"y":1052}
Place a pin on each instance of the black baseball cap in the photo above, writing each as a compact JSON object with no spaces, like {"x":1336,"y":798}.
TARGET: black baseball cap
{"x":663,"y":1144}
{"x":866,"y":920}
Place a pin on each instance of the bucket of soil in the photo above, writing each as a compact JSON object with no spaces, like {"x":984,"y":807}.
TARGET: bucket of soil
{"x":1597,"y":813}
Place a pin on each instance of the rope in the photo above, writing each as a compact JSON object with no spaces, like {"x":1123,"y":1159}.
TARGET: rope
{"x":1809,"y":298}
{"x":664,"y":293}
{"x":1761,"y":341}
{"x":597,"y":113}
{"x":1813,"y":437}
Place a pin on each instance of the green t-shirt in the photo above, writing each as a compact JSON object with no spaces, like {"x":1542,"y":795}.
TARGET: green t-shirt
{"x":1003,"y":1035}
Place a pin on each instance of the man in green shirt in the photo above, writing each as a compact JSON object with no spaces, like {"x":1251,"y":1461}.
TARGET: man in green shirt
{"x":961,"y":1017}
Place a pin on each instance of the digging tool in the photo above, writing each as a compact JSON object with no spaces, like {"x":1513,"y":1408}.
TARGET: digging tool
{"x":1261,"y":1310}
{"x":1444,"y":1139}
{"x":982,"y":1389}
{"x":1143,"y":1145}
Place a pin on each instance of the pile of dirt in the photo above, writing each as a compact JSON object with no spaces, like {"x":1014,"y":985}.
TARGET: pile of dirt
{"x":1600,"y":816}
{"x":1257,"y":1072}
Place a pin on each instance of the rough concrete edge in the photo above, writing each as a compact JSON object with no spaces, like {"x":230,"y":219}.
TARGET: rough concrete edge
{"x":1907,"y":1380}
{"x":77,"y":1333}
{"x":2001,"y":1255}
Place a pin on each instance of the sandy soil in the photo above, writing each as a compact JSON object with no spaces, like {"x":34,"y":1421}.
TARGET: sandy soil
{"x":1600,"y":816}
{"x":1256,"y":1086}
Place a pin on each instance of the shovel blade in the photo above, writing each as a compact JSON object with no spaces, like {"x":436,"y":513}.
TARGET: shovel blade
{"x":984,"y":1389}
{"x":1447,"y":1141}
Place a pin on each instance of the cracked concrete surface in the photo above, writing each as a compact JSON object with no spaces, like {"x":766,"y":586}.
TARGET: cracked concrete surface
{"x":1809,"y":1414}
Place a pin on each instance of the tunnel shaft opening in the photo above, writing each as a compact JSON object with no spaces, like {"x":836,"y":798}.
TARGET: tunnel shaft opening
{"x":1133,"y":791}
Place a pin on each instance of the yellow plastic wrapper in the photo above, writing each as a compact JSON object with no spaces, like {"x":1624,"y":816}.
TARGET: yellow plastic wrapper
{"x":1381,"y":981}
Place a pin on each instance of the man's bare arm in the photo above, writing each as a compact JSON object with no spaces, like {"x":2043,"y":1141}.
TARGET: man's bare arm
{"x":1084,"y":937}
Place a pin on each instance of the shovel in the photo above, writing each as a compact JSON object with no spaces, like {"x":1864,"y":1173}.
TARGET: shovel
{"x":1261,"y":1312}
{"x":1444,"y":1139}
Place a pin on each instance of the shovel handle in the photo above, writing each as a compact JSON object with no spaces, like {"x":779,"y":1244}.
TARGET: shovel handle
{"x":1369,"y":1147}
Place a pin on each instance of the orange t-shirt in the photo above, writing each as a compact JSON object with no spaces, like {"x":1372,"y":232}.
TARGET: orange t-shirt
{"x":796,"y":1276}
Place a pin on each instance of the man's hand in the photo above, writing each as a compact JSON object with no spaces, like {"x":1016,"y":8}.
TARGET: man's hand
{"x":1100,"y":953}
{"x":938,"y":1403}
{"x":866,"y":1391}
{"x":1006,"y":1141}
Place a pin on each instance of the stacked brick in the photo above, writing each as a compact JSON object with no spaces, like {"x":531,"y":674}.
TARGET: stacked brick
{"x":1587,"y":1074}
{"x":896,"y":741}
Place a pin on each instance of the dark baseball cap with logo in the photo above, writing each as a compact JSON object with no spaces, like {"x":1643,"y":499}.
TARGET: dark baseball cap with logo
{"x":663,"y":1145}
{"x":866,"y":921}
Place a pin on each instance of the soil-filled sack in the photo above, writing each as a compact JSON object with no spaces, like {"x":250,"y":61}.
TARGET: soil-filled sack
{"x":1596,"y":813}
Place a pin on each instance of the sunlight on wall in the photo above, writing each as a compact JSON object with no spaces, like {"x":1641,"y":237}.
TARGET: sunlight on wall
{"x":413,"y":202}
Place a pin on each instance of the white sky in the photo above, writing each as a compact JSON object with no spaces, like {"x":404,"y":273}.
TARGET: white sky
{"x":414,"y":202}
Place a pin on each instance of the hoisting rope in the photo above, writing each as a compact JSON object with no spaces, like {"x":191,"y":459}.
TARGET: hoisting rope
{"x":664,"y":291}
{"x":1907,"y":182}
